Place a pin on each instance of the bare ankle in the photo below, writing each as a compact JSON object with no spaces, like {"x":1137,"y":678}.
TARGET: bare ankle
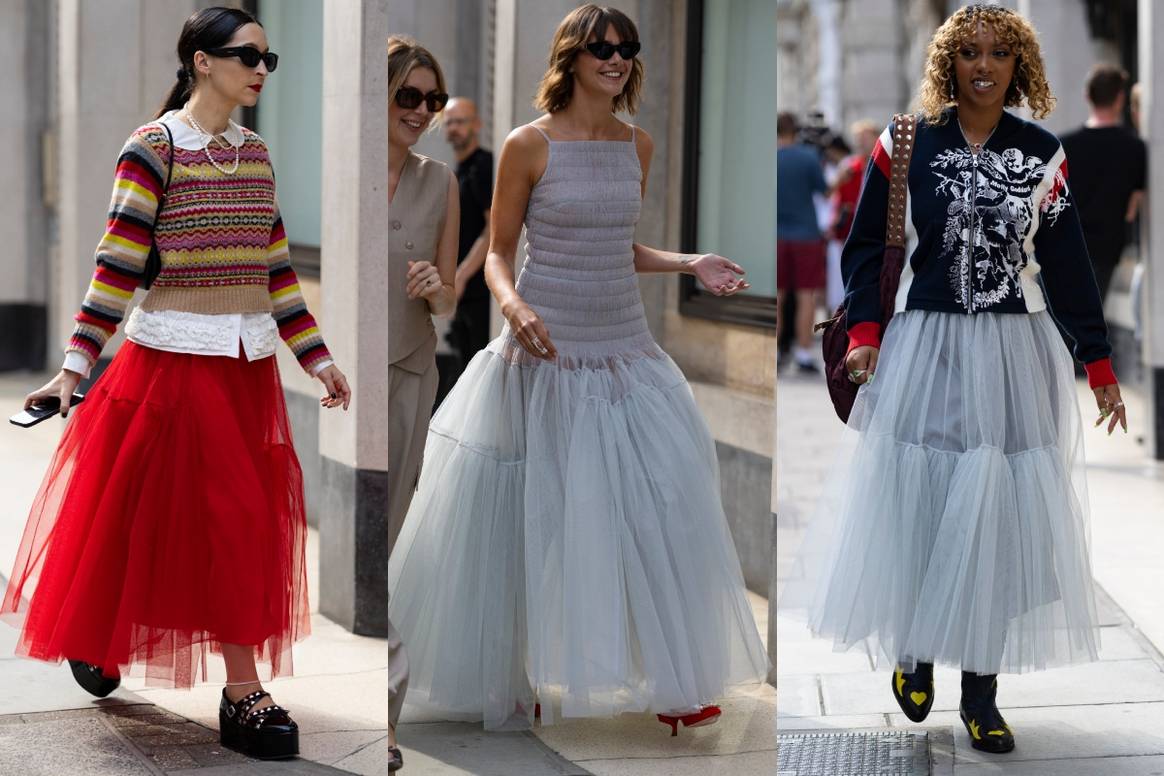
{"x":236,"y":691}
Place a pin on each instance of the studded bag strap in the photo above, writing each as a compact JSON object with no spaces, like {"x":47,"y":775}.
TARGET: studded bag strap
{"x":904,"y":135}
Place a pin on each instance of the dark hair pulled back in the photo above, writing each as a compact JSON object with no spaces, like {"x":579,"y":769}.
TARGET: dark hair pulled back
{"x":206,"y":29}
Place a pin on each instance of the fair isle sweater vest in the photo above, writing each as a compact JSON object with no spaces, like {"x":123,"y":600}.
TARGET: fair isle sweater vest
{"x":220,"y":239}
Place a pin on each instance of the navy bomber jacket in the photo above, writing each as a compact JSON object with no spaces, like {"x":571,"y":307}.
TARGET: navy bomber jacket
{"x":997,"y":232}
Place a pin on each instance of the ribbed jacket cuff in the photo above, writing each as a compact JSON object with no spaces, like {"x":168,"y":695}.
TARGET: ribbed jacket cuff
{"x":868,"y":333}
{"x":1100,"y":373}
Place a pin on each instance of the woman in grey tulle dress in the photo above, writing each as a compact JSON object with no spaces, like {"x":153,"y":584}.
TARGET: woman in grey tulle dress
{"x":566,"y":554}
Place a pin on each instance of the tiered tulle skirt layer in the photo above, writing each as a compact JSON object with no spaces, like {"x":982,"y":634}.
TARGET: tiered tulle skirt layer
{"x":954,"y":528}
{"x":171,"y":521}
{"x":567,"y":546}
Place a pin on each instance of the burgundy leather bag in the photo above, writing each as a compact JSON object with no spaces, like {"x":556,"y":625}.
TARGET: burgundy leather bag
{"x":835,"y":342}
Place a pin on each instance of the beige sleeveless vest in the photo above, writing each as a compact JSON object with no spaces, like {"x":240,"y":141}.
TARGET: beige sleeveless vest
{"x":416,"y":218}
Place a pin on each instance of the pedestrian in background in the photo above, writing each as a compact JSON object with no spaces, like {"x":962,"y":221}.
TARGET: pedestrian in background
{"x":954,"y":529}
{"x":567,"y":553}
{"x":1108,"y":164}
{"x":469,"y":330}
{"x":171,"y":522}
{"x":800,"y":247}
{"x":843,"y":204}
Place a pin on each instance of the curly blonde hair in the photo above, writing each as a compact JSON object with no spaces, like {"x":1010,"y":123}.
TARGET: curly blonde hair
{"x":576,"y":30}
{"x":939,"y":85}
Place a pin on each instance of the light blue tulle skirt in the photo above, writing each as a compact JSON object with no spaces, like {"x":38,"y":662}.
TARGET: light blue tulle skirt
{"x":567,"y":546}
{"x":954,"y":526}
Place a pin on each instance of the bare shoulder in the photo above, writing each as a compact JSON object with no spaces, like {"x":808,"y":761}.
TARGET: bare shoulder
{"x":524,"y":139}
{"x":524,"y":152}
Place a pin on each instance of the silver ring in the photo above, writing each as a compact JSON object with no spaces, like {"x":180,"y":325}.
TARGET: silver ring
{"x":1117,"y":405}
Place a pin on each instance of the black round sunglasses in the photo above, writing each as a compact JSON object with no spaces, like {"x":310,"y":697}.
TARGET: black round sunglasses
{"x":248,"y":55}
{"x":604,"y":50}
{"x":409,"y":97}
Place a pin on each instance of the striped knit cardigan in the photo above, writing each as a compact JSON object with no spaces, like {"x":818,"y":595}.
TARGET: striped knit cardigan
{"x":220,"y":238}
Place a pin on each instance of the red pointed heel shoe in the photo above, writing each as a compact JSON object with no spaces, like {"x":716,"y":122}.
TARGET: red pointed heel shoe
{"x":708,"y":715}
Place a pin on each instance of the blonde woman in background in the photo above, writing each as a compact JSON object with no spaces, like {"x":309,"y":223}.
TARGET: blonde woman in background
{"x":423,"y":222}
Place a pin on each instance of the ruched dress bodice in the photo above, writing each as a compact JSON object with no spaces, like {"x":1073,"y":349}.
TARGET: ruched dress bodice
{"x":579,"y":273}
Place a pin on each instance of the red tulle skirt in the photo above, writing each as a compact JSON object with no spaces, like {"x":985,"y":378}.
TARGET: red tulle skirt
{"x":170,"y":522}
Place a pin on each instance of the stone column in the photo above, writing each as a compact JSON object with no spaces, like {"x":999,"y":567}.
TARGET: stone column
{"x":353,"y":527}
{"x":1151,"y":22}
{"x":773,"y":593}
{"x":105,"y":92}
{"x":873,"y":40}
{"x":1068,"y":54}
{"x":24,"y":226}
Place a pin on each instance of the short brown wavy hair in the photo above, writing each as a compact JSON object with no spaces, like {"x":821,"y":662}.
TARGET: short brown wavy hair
{"x":576,"y":30}
{"x":939,"y":85}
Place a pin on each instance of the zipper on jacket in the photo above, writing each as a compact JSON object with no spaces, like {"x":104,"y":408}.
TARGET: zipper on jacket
{"x":975,"y":150}
{"x":970,"y":241}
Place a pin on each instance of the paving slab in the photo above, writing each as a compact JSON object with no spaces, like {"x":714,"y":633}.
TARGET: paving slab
{"x":461,"y":748}
{"x":744,"y":764}
{"x":1108,"y":766}
{"x":1060,"y":732}
{"x":786,"y":723}
{"x":260,"y":768}
{"x":80,"y":746}
{"x":32,"y":686}
{"x":798,"y":695}
{"x":1115,"y":681}
{"x":800,"y":653}
{"x":332,"y":746}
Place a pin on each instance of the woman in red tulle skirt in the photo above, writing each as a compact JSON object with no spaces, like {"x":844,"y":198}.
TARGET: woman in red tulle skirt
{"x":171,"y":523}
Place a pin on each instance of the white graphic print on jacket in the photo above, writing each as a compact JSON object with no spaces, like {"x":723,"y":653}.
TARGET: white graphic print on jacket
{"x":991,"y":218}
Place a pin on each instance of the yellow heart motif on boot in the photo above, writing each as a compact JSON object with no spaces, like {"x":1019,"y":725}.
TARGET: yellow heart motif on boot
{"x":918,"y":698}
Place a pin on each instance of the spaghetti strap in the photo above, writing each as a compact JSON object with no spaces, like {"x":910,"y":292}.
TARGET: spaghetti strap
{"x":632,"y":126}
{"x":539,"y":129}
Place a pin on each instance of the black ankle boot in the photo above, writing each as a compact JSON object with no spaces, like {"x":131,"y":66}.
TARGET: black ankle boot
{"x":92,"y":680}
{"x":914,"y":692}
{"x":988,"y":730}
{"x":268,"y":733}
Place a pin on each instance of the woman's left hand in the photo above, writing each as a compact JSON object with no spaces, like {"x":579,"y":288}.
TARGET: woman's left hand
{"x":719,"y":275}
{"x":1110,"y":406}
{"x":338,"y":391}
{"x":423,"y":279}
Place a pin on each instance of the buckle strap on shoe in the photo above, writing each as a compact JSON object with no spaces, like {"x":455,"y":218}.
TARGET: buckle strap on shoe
{"x":259,"y":717}
{"x":244,"y":705}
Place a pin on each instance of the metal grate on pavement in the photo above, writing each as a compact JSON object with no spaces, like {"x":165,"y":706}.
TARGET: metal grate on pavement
{"x":874,"y":753}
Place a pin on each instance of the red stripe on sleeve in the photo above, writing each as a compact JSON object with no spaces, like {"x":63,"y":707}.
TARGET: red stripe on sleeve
{"x":881,"y":159}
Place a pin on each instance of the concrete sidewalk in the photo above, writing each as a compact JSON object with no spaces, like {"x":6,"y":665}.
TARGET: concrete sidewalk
{"x":1106,"y":717}
{"x":48,"y":725}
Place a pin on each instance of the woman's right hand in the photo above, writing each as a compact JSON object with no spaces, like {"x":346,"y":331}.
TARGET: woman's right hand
{"x":861,"y":363}
{"x":62,"y":386}
{"x":529,"y":330}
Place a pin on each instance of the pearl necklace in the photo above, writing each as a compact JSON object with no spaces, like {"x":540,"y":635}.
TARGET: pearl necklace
{"x":206,"y":137}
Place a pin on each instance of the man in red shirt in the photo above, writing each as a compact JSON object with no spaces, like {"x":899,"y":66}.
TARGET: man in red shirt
{"x":844,"y":202}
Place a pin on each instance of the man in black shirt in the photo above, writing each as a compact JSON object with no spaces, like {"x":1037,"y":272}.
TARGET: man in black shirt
{"x":1106,"y":167}
{"x":469,"y":330}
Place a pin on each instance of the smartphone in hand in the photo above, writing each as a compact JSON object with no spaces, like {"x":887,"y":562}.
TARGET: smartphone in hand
{"x":47,"y":407}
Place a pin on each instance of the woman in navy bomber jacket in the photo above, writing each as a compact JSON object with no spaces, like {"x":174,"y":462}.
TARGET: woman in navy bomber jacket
{"x":962,"y":534}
